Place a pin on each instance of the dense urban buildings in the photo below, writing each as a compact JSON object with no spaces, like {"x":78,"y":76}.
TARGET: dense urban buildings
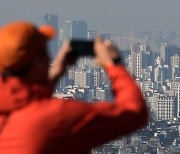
{"x":153,"y":59}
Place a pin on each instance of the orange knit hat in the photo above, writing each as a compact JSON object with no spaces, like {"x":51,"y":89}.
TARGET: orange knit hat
{"x":18,"y":43}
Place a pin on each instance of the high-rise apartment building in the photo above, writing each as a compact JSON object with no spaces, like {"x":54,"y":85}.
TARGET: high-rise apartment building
{"x":66,"y":30}
{"x":165,"y":53}
{"x":147,"y":85}
{"x":80,"y":78}
{"x":74,"y":30}
{"x":175,"y":61}
{"x":133,"y":59}
{"x":148,"y":56}
{"x":158,"y":74}
{"x":166,"y":108}
{"x":79,"y":30}
{"x":178,"y":102}
{"x":97,"y":78}
{"x":52,"y":19}
{"x":91,"y":34}
{"x":138,"y":68}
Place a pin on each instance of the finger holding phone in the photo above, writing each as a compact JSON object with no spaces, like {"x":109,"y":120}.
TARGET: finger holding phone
{"x":104,"y":53}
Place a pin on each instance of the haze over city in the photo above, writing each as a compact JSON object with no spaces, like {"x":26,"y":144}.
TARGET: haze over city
{"x":112,"y":16}
{"x":148,"y":36}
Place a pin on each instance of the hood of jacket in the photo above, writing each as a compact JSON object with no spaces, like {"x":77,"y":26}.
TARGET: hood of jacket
{"x":16,"y":93}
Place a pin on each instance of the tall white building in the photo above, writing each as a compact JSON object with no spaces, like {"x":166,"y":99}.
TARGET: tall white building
{"x":178,"y":102}
{"x":175,"y":61}
{"x":166,"y":108}
{"x":152,"y":99}
{"x":97,"y":78}
{"x":80,"y":78}
{"x":138,"y":63}
{"x":133,"y":60}
{"x":165,"y":50}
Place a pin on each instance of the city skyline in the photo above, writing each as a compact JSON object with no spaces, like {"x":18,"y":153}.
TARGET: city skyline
{"x":152,"y":58}
{"x":112,"y":16}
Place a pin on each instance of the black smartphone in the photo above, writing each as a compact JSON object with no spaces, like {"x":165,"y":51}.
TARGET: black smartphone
{"x":81,"y":48}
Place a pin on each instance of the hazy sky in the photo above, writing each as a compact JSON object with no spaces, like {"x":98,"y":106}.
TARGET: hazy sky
{"x":104,"y":15}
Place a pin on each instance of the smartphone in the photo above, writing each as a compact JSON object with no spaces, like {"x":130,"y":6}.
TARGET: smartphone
{"x":81,"y":48}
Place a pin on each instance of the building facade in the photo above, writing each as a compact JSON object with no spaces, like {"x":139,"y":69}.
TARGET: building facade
{"x":52,"y":19}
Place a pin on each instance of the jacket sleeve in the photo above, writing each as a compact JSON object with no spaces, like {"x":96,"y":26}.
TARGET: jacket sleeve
{"x":92,"y":124}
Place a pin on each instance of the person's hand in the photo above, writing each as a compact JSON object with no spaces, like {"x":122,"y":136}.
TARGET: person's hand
{"x":61,"y":61}
{"x":105,"y":52}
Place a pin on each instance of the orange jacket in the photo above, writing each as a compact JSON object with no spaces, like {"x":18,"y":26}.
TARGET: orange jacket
{"x":39,"y":124}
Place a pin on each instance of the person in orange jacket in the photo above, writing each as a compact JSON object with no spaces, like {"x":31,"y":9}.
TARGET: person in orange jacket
{"x":31,"y":122}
